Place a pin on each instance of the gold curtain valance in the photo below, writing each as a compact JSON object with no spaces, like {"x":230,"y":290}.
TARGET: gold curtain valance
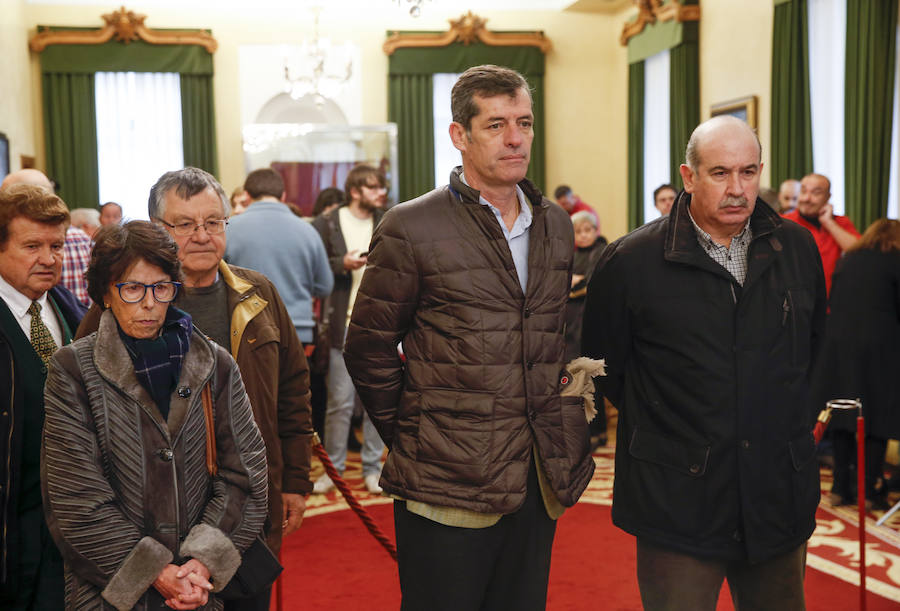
{"x":124,"y":26}
{"x":654,"y":11}
{"x":467,"y":29}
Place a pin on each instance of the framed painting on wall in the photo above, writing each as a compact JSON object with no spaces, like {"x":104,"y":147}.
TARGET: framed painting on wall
{"x":742,"y":108}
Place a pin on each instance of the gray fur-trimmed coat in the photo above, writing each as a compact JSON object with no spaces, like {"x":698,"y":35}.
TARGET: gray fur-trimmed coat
{"x":126,"y":493}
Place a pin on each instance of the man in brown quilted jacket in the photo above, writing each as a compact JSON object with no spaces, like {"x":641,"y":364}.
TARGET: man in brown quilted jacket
{"x":473,"y":279}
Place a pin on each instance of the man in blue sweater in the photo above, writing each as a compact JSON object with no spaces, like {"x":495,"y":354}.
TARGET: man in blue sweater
{"x":269,"y":238}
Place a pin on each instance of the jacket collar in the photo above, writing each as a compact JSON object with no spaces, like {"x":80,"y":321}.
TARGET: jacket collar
{"x":233,"y":281}
{"x":244,"y":303}
{"x":113,"y":364}
{"x":681,"y":244}
{"x":470,"y":195}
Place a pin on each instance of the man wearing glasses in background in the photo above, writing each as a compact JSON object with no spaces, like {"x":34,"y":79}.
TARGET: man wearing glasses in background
{"x":346,"y":233}
{"x":241,"y":310}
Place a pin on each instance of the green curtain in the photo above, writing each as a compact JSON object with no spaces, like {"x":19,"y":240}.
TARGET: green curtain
{"x":869,"y":90}
{"x":635,"y":145}
{"x":410,"y":107}
{"x":681,"y":39}
{"x":684,"y":102}
{"x":70,"y":131}
{"x":415,"y":121}
{"x":70,"y":137}
{"x":198,"y":122}
{"x":791,"y":155}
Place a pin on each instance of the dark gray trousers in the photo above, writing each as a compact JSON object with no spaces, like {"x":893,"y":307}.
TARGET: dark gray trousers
{"x":672,"y":581}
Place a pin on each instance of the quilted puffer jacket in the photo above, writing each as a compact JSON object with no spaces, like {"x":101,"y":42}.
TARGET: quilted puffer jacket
{"x":480,"y":388}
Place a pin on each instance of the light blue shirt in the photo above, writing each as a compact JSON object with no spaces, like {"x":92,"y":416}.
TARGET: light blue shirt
{"x":517,"y":237}
{"x":269,"y":238}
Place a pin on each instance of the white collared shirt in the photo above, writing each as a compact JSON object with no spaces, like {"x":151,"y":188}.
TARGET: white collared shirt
{"x":18,"y":304}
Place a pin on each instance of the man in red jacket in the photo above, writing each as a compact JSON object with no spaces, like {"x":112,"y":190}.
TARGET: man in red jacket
{"x":833,"y":234}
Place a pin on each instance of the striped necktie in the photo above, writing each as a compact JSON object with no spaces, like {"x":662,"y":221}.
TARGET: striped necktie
{"x":41,"y":339}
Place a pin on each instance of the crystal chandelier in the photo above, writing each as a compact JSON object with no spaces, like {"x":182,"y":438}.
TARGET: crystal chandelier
{"x":415,"y":6}
{"x":316,"y":79}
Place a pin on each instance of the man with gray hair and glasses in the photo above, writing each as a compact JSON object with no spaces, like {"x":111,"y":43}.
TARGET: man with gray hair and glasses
{"x":241,"y":310}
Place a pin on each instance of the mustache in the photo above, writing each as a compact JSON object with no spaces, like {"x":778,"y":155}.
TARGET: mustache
{"x":737,"y":202}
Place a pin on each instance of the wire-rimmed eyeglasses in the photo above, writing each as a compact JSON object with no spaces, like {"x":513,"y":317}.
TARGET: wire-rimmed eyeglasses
{"x":212,"y":227}
{"x":134,"y":292}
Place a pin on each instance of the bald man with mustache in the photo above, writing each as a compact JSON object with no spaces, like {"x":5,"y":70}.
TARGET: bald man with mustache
{"x":709,"y":319}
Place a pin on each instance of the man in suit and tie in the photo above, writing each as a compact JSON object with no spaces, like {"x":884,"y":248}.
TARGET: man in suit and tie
{"x":36,"y":317}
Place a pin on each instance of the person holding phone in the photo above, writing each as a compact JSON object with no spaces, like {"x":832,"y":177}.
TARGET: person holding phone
{"x":346,"y":233}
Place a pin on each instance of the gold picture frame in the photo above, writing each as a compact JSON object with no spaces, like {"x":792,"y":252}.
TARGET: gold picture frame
{"x":743,"y":108}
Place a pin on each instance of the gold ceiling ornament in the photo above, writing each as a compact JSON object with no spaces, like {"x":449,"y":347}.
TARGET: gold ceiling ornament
{"x":652,"y":11}
{"x":124,"y":26}
{"x":467,"y":29}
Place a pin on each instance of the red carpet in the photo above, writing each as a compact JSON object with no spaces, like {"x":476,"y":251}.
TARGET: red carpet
{"x":332,"y":563}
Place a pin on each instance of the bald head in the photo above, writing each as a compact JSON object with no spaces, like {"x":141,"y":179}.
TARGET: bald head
{"x":715,"y":130}
{"x":722,"y":176}
{"x":787,"y":195}
{"x":27,"y":176}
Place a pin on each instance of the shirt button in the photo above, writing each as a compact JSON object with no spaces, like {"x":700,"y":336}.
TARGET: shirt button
{"x":736,"y":535}
{"x":695,"y":469}
{"x":532,"y":416}
{"x":530,"y":365}
{"x":166,"y":454}
{"x":527,"y":312}
{"x":745,"y":444}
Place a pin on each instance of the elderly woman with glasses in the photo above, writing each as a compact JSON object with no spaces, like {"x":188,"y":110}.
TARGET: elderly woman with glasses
{"x":145,"y":514}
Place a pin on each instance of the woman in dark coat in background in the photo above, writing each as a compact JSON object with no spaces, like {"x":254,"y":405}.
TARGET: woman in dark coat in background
{"x":861,"y":357}
{"x":589,"y":246}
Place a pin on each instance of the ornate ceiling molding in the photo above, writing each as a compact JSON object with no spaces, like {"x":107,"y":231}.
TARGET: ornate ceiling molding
{"x":123,"y":26}
{"x":467,"y":29}
{"x":651,"y":11}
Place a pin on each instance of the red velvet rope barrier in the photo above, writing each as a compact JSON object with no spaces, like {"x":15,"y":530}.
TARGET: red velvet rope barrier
{"x":351,"y":500}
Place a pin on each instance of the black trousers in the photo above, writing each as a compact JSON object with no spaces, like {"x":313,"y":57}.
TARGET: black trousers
{"x":36,"y":576}
{"x":502,"y":567}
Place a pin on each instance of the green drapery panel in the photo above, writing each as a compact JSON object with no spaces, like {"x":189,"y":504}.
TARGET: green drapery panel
{"x":137,"y":56}
{"x":635,"y":145}
{"x":198,"y":122}
{"x":869,"y":91}
{"x":69,"y":108}
{"x":410,"y":103}
{"x":791,"y":155}
{"x":684,"y":102}
{"x":681,"y":39}
{"x":457,"y":57}
{"x":70,"y":137}
{"x":415,"y":122}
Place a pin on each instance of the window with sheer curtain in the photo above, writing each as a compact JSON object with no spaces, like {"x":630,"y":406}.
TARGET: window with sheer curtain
{"x":446,"y":157}
{"x":827,"y":51}
{"x":139,"y":135}
{"x":893,"y":209}
{"x":657,"y":167}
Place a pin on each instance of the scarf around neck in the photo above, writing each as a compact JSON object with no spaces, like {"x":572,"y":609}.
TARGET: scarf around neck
{"x":157,"y":361}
